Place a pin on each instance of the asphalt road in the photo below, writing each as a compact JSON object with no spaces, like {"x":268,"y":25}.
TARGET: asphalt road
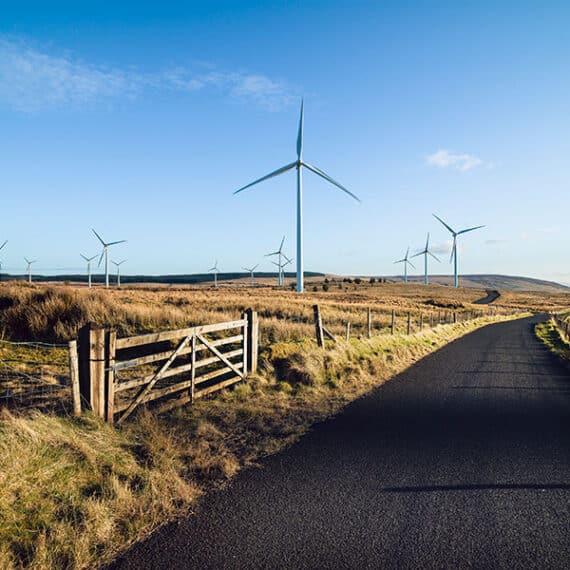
{"x":462,"y":461}
{"x":492,"y":296}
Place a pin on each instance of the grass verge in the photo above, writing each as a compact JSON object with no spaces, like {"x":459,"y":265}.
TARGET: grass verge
{"x":75,"y":492}
{"x":549,"y":333}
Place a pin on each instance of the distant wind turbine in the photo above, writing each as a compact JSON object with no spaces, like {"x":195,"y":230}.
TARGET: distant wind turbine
{"x":280,"y":254}
{"x":118,"y":265}
{"x":425,"y":252}
{"x":215,"y":270}
{"x":250,"y":270}
{"x":280,"y":266}
{"x":454,"y":248}
{"x":105,"y":253}
{"x":29,"y":268}
{"x":88,"y":260}
{"x":1,"y":246}
{"x":299,"y":164}
{"x":406,"y":261}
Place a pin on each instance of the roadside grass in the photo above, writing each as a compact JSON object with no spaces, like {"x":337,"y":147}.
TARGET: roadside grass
{"x":549,"y":333}
{"x":74,"y":492}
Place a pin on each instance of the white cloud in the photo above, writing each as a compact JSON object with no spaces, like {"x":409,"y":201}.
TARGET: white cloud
{"x":443,"y":248}
{"x":458,"y":161}
{"x":549,"y":230}
{"x":496,"y":241}
{"x":31,"y":80}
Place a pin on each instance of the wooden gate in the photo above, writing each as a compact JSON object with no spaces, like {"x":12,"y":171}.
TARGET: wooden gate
{"x":117,"y":375}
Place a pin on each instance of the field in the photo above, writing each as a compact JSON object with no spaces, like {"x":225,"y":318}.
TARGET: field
{"x":76,"y":491}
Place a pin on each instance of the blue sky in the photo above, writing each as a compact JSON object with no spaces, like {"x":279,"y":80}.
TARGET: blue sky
{"x":141,"y":119}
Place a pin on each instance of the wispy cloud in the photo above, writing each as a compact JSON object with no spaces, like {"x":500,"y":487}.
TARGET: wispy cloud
{"x":496,"y":241}
{"x":549,"y":230}
{"x":457,"y":161}
{"x":442,"y":248}
{"x":32,"y":80}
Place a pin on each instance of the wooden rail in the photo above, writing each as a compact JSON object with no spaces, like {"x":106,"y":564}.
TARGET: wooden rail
{"x":115,"y":376}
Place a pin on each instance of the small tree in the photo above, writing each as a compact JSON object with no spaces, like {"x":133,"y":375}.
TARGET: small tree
{"x":325,"y":286}
{"x":372,"y":281}
{"x":358,"y":281}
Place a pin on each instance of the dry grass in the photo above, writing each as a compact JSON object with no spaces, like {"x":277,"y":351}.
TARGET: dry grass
{"x":74,"y":492}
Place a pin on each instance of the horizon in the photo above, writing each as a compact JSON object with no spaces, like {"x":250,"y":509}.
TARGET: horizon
{"x":141,"y":123}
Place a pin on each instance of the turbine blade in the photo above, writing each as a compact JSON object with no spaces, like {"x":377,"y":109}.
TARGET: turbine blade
{"x":300,"y":132}
{"x":324,"y":175}
{"x":101,"y":258}
{"x":1,"y":246}
{"x":270,"y":254}
{"x":408,"y":261}
{"x":469,"y":230}
{"x":427,"y":242}
{"x":116,"y":242}
{"x":98,"y":237}
{"x":27,"y":260}
{"x":254,"y":268}
{"x":270,"y":175}
{"x":438,"y":218}
{"x":85,"y":258}
{"x":435,"y":257}
{"x":281,"y":246}
{"x":453,"y":249}
{"x":400,"y":261}
{"x":419,"y":253}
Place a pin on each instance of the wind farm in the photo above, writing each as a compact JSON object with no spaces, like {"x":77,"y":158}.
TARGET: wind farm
{"x":284,"y":285}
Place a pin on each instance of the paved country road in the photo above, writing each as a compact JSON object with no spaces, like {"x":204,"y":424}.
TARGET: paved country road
{"x":492,"y":295}
{"x":462,"y":461}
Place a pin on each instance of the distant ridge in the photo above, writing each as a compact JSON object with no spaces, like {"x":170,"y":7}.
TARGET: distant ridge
{"x":492,"y":281}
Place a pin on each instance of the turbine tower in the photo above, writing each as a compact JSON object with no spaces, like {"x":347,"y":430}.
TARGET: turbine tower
{"x":280,"y":267}
{"x":454,"y":248}
{"x":1,"y":247}
{"x":105,"y":253}
{"x":29,"y":268}
{"x":299,"y":164}
{"x":425,"y":252}
{"x":88,"y":260}
{"x":118,"y":265}
{"x":279,"y":253}
{"x":216,"y":271}
{"x":405,"y":260}
{"x":250,"y":270}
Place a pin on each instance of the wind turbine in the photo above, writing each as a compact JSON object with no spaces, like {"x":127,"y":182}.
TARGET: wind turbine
{"x":88,"y":260}
{"x":454,"y":248}
{"x":299,"y":164}
{"x":216,"y":271}
{"x":29,"y":268}
{"x":118,"y":265}
{"x":105,"y":253}
{"x":1,"y":246}
{"x":281,"y":266}
{"x":405,"y":260}
{"x":251,"y":270}
{"x":425,"y":252}
{"x":279,"y":253}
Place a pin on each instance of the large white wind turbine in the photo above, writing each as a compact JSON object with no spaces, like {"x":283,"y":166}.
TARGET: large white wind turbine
{"x":215,"y":270}
{"x":425,"y":252}
{"x":88,"y":260}
{"x":105,"y":253}
{"x":251,"y":270}
{"x":405,"y":260}
{"x":29,"y":268}
{"x":280,"y":268}
{"x":454,"y":248}
{"x":299,"y":164}
{"x":118,"y":265}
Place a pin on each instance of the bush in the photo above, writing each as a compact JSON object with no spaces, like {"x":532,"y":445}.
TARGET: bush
{"x":325,"y":286}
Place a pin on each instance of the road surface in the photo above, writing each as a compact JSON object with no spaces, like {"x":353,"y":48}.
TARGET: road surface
{"x":462,"y":461}
{"x":491,"y":297}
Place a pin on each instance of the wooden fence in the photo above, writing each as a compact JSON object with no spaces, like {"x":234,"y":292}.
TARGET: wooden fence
{"x":563,"y":326}
{"x":114,"y":376}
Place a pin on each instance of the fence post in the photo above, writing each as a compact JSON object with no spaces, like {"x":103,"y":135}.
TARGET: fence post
{"x":393,"y":321}
{"x":92,"y":367}
{"x":454,"y":316}
{"x":347,"y":331}
{"x":421,"y":321}
{"x":253,"y":339}
{"x":74,"y":375}
{"x":110,"y":350}
{"x":431,"y":320}
{"x":318,"y":326}
{"x":409,"y":322}
{"x":369,"y":322}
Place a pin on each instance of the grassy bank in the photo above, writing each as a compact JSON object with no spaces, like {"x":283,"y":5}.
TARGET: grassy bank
{"x":74,"y":492}
{"x":550,"y":334}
